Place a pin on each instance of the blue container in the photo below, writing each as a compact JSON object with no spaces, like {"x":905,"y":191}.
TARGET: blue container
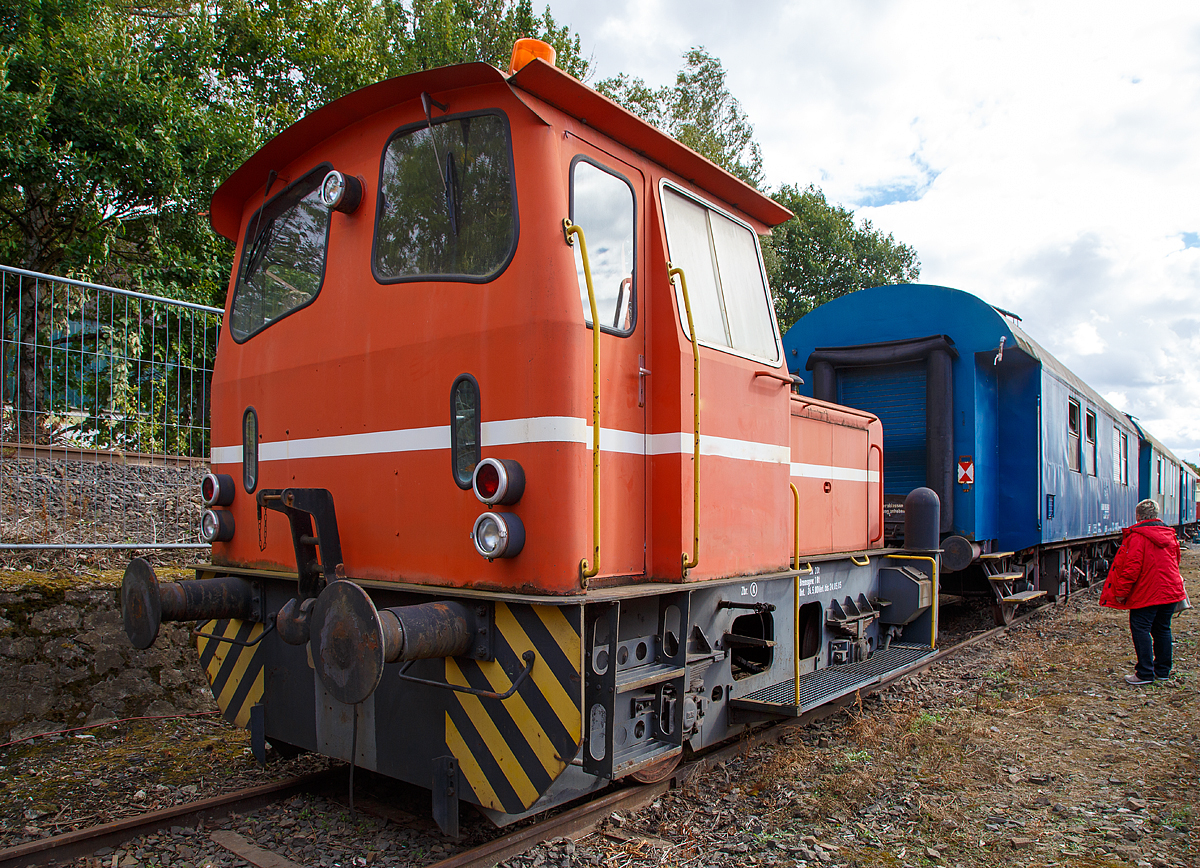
{"x":1020,"y":450}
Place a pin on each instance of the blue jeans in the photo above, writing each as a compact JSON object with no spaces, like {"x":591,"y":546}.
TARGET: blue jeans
{"x":1151,"y":628}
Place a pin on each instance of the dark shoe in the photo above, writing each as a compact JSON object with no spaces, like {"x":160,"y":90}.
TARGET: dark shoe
{"x":1137,"y":681}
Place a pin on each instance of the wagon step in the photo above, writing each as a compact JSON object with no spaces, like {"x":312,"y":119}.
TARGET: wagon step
{"x":1006,"y":577}
{"x":993,"y":556}
{"x":1022,"y":596}
{"x":950,"y":599}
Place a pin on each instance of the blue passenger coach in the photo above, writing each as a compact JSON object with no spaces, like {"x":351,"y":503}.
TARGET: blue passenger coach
{"x":1159,"y":478}
{"x":1187,"y":500}
{"x":1037,"y":473}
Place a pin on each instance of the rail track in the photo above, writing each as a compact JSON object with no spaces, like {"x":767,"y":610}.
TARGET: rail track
{"x":573,"y":822}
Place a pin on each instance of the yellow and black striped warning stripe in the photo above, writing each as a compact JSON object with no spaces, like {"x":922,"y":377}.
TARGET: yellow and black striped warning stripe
{"x":234,"y":671}
{"x":510,"y":752}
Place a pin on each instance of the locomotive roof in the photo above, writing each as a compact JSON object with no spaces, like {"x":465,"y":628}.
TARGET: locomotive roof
{"x":538,"y":79}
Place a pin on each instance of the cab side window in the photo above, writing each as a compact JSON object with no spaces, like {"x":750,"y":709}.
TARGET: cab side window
{"x":603,"y":205}
{"x":726,"y":285}
{"x":283,"y":257}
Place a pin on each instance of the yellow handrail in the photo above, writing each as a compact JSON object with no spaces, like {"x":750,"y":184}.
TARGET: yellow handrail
{"x":796,"y":532}
{"x":934,"y":566}
{"x":690,"y":563}
{"x":587,"y":571}
{"x":796,"y":584}
{"x":866,"y":561}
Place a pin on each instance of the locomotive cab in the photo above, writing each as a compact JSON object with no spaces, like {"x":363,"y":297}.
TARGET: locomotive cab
{"x":507,"y":459}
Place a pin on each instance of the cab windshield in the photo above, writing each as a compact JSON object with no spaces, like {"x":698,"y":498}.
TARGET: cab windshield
{"x":447,"y":205}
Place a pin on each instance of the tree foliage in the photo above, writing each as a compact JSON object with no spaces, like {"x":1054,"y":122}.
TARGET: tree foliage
{"x":821,"y":254}
{"x":699,"y":111}
{"x":117,"y":122}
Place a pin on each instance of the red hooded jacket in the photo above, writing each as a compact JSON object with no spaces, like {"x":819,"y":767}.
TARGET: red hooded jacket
{"x":1145,"y":571}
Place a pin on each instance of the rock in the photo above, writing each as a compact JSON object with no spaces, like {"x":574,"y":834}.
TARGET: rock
{"x":62,"y":618}
{"x":1021,"y":843}
{"x":100,"y":714}
{"x":32,"y":728}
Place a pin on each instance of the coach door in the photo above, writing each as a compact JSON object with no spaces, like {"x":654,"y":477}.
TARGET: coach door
{"x":606,"y":202}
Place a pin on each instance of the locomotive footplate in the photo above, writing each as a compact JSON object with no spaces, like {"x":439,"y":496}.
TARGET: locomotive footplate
{"x":793,"y":697}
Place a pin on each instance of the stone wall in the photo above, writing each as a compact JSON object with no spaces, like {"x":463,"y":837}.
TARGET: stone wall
{"x":65,"y":661}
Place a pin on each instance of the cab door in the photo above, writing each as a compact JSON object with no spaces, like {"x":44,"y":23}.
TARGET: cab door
{"x":607,"y":202}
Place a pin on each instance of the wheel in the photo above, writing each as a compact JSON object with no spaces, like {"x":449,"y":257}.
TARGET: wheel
{"x":657,"y":771}
{"x":1004,"y":613}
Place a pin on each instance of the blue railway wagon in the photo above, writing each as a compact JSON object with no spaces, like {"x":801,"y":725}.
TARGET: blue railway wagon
{"x":1159,"y":478}
{"x":1187,"y":499}
{"x":1027,"y":458}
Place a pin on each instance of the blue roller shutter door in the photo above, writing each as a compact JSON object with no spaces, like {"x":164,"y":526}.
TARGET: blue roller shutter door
{"x":896,"y":394}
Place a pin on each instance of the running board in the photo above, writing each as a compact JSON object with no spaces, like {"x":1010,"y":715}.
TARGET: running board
{"x":832,"y":682}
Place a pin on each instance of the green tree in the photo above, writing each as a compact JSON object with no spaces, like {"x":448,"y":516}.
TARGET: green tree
{"x":821,"y":254}
{"x":816,"y":256}
{"x":119,"y":120}
{"x":699,"y":111}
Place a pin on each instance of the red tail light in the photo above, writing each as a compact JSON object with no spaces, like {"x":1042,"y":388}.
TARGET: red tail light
{"x":487,"y":481}
{"x":498,"y":480}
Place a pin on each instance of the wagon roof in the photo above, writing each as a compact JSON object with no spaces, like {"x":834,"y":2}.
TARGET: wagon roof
{"x":1155,"y":442}
{"x":538,"y":79}
{"x":1049,"y":362}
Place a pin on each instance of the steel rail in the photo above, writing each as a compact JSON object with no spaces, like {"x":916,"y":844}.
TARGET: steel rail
{"x":84,"y":842}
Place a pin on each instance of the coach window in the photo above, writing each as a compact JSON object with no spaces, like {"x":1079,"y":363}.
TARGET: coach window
{"x":446,"y":208}
{"x":1073,"y":434}
{"x":283,"y":257}
{"x":1089,"y":436}
{"x":1120,"y":456}
{"x":602,"y":204}
{"x":726,"y":284}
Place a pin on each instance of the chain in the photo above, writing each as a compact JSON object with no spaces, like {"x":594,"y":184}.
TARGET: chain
{"x":262,"y":530}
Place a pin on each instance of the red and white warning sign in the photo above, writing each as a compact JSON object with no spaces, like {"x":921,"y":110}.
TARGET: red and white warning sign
{"x":966,"y":470}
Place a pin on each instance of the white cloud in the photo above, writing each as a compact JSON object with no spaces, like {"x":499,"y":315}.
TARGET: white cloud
{"x":1044,"y":156}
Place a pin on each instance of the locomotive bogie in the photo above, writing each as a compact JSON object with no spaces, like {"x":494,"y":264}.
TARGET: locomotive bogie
{"x":597,"y":688}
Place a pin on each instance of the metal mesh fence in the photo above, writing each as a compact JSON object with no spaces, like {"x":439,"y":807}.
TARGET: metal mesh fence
{"x":104,"y":432}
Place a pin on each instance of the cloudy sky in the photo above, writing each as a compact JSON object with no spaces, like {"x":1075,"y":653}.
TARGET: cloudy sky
{"x":1044,"y":156}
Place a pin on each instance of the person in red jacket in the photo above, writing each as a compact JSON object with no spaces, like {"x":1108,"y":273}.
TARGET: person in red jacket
{"x":1145,"y":580}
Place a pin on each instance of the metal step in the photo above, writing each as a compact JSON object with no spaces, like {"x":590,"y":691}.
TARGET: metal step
{"x":996,"y":556}
{"x":832,"y":682}
{"x":950,"y":599}
{"x":1022,"y":596}
{"x":626,"y":762}
{"x":1006,"y":577}
{"x":642,"y":676}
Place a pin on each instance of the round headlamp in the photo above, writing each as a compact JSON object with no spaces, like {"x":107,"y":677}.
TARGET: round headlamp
{"x":498,"y":535}
{"x":341,"y":192}
{"x":217,"y":489}
{"x":498,"y":481}
{"x":216,"y":525}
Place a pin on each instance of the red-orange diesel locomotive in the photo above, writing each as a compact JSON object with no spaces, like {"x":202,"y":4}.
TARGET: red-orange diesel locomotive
{"x":511,"y":496}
